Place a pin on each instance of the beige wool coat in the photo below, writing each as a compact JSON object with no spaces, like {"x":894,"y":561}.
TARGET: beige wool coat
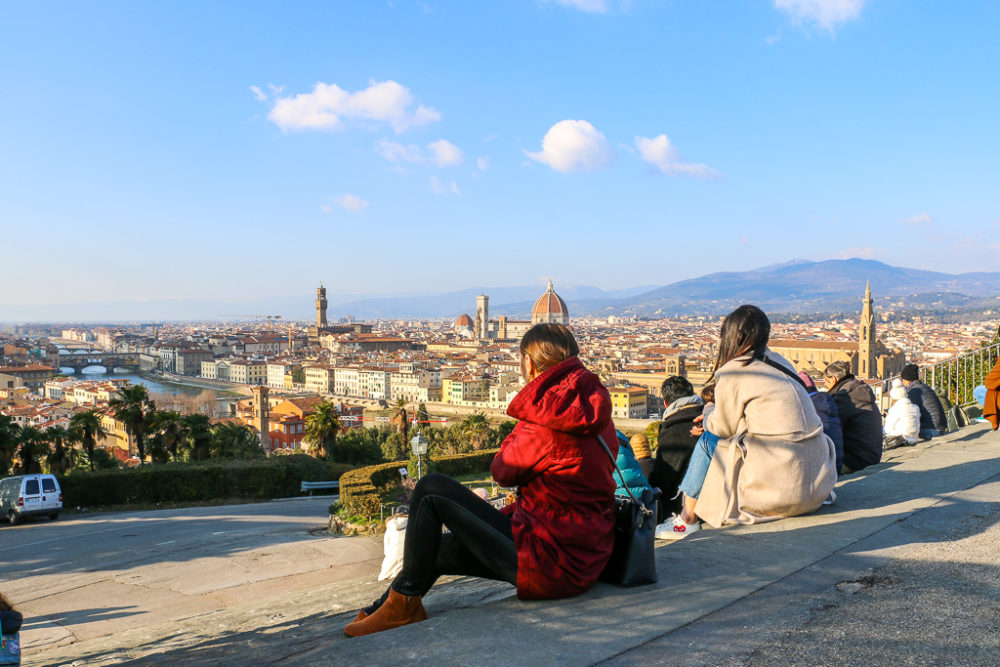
{"x":773,"y":459}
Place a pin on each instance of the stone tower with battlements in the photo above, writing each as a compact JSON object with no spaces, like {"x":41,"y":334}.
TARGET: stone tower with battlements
{"x":867,"y":349}
{"x":321,"y":306}
{"x":262,"y":415}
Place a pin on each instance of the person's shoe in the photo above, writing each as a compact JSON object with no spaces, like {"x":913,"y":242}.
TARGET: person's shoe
{"x":831,"y":499}
{"x":365,"y":612}
{"x":397,"y":610}
{"x":675,"y":528}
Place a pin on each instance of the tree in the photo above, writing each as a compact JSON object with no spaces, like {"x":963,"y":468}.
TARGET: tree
{"x":298,"y":375}
{"x":85,"y":428}
{"x":168,"y":432}
{"x":422,"y":414}
{"x":9,"y":433}
{"x":322,"y":427}
{"x":32,"y":449}
{"x":476,"y":429}
{"x":402,"y":423}
{"x":234,"y":441}
{"x":131,"y":406}
{"x":197,"y":436}
{"x":61,"y":457}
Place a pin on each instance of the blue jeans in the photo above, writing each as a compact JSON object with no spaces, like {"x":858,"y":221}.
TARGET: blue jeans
{"x":929,"y":433}
{"x":701,"y":459}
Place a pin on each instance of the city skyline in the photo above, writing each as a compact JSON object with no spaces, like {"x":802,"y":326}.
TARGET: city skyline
{"x":204,"y":152}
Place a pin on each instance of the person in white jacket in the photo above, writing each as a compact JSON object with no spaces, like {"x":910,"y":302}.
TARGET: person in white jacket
{"x":902,"y":422}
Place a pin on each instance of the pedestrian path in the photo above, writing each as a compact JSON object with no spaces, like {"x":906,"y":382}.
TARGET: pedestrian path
{"x":749,"y":573}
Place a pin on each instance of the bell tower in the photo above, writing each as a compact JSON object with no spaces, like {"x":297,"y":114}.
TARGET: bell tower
{"x":262,"y":415}
{"x":867,"y":365}
{"x":482,"y":317}
{"x":321,"y":306}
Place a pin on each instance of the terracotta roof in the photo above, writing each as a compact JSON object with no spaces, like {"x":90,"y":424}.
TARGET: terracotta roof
{"x":815,"y":344}
{"x":463,"y":321}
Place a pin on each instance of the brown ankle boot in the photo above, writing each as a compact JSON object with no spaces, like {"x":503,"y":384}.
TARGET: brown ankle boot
{"x":397,"y":610}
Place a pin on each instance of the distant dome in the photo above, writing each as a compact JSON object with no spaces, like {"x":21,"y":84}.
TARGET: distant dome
{"x":550,"y":309}
{"x":464,"y":321}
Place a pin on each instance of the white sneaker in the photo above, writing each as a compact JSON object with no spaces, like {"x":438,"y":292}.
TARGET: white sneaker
{"x":676,"y":528}
{"x":831,"y":499}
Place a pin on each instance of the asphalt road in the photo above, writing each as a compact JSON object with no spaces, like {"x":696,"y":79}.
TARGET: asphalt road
{"x":91,"y":575}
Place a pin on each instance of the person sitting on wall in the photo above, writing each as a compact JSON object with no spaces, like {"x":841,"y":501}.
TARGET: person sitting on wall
{"x":640,"y":449}
{"x":762,"y":455}
{"x":826,"y":408}
{"x":902,"y":422}
{"x":674,"y":441}
{"x":631,"y":478}
{"x":991,"y":400}
{"x":556,"y":538}
{"x":860,"y":418}
{"x":933,"y":421}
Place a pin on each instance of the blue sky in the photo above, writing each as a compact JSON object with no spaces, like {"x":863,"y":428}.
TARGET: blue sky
{"x":235,"y":150}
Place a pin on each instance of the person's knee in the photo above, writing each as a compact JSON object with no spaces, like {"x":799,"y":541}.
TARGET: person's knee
{"x":432,"y":484}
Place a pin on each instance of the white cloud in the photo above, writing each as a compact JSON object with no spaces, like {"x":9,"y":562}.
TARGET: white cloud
{"x":258,"y":94}
{"x":439,"y":188}
{"x":864,"y":252}
{"x":328,"y":105}
{"x":444,"y":153}
{"x":440,"y":153}
{"x":573,"y":145}
{"x":326,"y":208}
{"x":483,"y":162}
{"x":596,"y":6}
{"x":824,"y":13}
{"x":351,"y":202}
{"x":659,"y":152}
{"x":917,"y":220}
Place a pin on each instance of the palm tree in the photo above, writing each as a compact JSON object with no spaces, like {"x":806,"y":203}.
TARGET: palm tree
{"x":85,"y":428}
{"x":168,"y":430}
{"x":131,"y":406}
{"x":476,"y":428}
{"x":197,"y":436}
{"x":234,"y":441}
{"x":32,"y":449}
{"x":61,"y":458}
{"x":322,"y":427}
{"x":9,"y":433}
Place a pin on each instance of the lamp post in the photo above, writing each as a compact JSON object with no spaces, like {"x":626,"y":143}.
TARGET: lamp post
{"x":419,"y":446}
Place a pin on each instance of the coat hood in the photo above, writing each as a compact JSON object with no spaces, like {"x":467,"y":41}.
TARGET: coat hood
{"x":566,"y":398}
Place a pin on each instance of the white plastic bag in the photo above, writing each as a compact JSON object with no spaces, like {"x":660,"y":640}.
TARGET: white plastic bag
{"x":392,"y":544}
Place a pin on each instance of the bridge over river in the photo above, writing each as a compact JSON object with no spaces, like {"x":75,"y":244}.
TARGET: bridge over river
{"x":80,"y":359}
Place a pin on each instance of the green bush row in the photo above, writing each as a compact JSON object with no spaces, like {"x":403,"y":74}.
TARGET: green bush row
{"x":278,"y":477}
{"x":361,"y":489}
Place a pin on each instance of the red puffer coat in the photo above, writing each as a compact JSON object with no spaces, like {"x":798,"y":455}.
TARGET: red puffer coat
{"x":564,"y":514}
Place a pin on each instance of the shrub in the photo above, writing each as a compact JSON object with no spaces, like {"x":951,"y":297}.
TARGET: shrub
{"x":361,"y":489}
{"x":279,"y":477}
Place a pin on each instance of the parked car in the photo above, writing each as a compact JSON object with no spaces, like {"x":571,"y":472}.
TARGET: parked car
{"x":30,"y":495}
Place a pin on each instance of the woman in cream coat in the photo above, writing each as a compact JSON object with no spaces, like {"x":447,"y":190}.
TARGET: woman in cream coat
{"x":763,"y":454}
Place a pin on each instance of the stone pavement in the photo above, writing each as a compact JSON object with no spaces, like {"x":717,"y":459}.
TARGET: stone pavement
{"x":797,"y":591}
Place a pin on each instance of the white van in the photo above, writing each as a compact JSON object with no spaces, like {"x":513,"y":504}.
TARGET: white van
{"x":30,"y":495}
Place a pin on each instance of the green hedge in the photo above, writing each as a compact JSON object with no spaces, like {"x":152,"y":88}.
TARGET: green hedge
{"x":361,"y":489}
{"x":278,"y":477}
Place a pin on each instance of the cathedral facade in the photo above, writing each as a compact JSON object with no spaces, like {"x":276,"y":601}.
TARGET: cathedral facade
{"x":549,"y":308}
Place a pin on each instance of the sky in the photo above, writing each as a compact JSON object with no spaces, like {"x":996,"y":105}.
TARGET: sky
{"x":240,"y":150}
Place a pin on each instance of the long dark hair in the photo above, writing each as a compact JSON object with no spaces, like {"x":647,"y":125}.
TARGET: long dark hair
{"x":746,"y":330}
{"x":5,"y":604}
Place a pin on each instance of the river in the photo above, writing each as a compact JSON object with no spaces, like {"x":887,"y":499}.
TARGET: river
{"x":152,"y":386}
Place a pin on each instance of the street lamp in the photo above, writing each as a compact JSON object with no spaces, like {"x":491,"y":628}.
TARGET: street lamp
{"x":419,"y":446}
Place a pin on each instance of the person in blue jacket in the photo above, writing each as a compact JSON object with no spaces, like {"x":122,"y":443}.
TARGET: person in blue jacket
{"x":828,"y":414}
{"x":634,"y":480}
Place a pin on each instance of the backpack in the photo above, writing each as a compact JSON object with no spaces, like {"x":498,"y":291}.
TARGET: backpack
{"x":10,"y":640}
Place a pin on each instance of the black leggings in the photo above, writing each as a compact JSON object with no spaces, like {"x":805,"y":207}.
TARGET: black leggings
{"x":480,"y":543}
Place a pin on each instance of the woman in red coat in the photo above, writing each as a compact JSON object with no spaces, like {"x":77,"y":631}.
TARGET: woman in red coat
{"x":555,"y":540}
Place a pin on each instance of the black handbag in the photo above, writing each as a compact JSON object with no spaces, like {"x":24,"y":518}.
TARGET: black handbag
{"x":632,"y":561}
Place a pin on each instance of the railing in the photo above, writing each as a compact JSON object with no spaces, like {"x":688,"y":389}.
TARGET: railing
{"x":957,"y":377}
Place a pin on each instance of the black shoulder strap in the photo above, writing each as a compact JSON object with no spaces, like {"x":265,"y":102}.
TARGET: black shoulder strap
{"x":782,"y":368}
{"x":642,"y":507}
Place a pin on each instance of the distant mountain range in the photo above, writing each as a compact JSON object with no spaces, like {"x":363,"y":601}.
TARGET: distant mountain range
{"x":799,"y":286}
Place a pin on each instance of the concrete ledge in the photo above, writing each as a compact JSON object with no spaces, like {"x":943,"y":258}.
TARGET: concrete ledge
{"x":737,"y":579}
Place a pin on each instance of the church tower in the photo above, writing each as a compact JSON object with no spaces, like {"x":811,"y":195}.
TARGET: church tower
{"x":262,"y":415}
{"x":321,"y":306}
{"x":867,"y":365}
{"x":482,"y":317}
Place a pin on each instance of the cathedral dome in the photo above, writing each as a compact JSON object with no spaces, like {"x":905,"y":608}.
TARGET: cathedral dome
{"x":464,"y":321}
{"x":550,"y":309}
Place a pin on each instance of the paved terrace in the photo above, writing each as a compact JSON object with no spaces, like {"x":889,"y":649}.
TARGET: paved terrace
{"x":900,"y":571}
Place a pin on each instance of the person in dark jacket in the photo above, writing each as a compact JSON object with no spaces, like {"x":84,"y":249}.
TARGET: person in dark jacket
{"x":10,"y":626}
{"x":933,"y":421}
{"x":860,"y":418}
{"x":556,"y":538}
{"x":674,"y":442}
{"x":826,"y":408}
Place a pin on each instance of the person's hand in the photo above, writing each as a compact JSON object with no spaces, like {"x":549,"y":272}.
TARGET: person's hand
{"x":697,"y":430}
